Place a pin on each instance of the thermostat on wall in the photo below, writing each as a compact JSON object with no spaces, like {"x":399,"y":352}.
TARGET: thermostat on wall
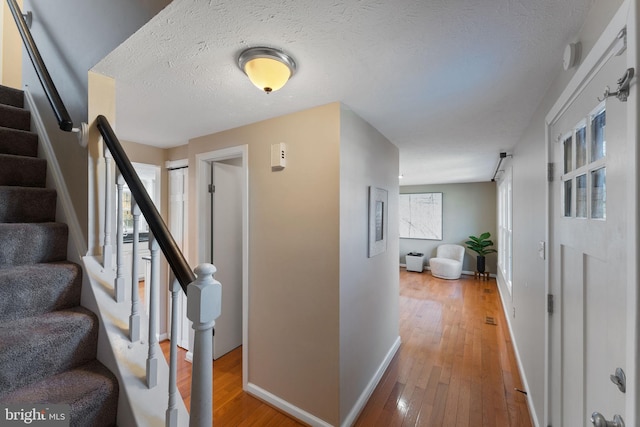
{"x":278,"y":156}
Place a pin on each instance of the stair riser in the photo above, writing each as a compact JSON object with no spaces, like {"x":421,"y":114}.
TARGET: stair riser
{"x":32,"y":243}
{"x":16,"y":118}
{"x":34,"y":348}
{"x":18,"y":142}
{"x":23,"y":204}
{"x":11,"y":96}
{"x":32,"y":290}
{"x":23,"y":171}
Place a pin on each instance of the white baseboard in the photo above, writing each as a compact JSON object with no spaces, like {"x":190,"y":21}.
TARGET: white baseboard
{"x":314,"y":421}
{"x":373,"y":383}
{"x":523,"y":376}
{"x":465,"y":272}
{"x":285,"y":406}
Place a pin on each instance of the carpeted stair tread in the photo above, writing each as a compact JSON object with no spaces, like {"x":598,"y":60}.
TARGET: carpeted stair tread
{"x":48,"y":342}
{"x":32,"y":348}
{"x":35,"y":289}
{"x":11,"y":96}
{"x":22,"y":171}
{"x":14,"y":117}
{"x":27,"y":204}
{"x":18,"y":142}
{"x":32,"y":243}
{"x":91,"y":390}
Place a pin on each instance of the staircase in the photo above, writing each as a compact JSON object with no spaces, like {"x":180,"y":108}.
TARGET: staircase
{"x":48,"y":342}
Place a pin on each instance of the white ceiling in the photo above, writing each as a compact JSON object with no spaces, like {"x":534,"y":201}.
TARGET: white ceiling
{"x":450,"y":82}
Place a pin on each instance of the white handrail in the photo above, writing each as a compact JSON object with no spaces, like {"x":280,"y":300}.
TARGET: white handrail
{"x":118,"y":284}
{"x":134,"y":318}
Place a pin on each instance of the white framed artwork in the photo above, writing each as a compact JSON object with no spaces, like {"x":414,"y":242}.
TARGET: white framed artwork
{"x":421,"y":216}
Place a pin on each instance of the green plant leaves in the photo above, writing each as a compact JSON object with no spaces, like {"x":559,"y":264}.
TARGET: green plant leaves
{"x":481,"y":245}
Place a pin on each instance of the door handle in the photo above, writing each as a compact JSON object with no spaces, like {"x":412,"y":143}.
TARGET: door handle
{"x":599,"y":420}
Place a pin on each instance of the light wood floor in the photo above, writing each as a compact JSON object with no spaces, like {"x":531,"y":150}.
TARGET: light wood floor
{"x":455,"y":367}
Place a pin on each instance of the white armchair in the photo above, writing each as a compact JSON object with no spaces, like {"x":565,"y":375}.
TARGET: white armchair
{"x":448,"y":262}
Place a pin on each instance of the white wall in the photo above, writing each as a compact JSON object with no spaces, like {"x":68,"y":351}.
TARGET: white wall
{"x":467,"y":209}
{"x":369,"y":287}
{"x":529,"y":216}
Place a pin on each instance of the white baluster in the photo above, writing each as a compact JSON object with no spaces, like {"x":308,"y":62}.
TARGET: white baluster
{"x":118,"y":284}
{"x":204,"y":300}
{"x":107,"y":251}
{"x":172,"y":409}
{"x":152,"y":359}
{"x":134,"y":318}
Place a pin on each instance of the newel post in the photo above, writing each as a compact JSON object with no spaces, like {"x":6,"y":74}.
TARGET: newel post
{"x":204,"y":301}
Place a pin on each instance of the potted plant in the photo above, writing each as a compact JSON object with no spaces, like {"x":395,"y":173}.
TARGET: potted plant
{"x":482,"y":246}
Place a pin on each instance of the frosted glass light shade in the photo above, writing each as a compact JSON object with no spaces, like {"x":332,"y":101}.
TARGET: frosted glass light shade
{"x":268,"y":69}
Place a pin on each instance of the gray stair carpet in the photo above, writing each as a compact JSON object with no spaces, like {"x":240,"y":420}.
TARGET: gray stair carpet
{"x":48,"y":342}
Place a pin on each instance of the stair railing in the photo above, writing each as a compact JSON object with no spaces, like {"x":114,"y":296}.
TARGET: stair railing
{"x":62,"y":115}
{"x":203,"y":292}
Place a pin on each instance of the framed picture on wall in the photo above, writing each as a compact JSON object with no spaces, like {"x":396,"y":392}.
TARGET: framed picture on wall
{"x":378,"y":199}
{"x":421,"y":216}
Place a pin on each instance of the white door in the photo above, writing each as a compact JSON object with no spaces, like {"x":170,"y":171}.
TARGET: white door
{"x":226,"y":251}
{"x":588,"y":231}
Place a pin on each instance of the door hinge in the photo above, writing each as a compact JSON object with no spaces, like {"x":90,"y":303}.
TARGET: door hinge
{"x":212,"y":188}
{"x":550,"y":171}
{"x":550,"y":303}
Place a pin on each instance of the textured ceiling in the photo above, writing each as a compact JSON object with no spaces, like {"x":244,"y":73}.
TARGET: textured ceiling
{"x":450,"y":82}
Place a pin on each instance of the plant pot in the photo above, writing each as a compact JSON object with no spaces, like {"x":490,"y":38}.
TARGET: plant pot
{"x":480,"y":263}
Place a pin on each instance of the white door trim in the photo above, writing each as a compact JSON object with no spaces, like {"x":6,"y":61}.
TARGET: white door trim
{"x":607,"y":45}
{"x":202,"y":181}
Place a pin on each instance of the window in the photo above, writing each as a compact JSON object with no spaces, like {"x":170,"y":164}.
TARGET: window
{"x":584,"y":150}
{"x":581,"y":196}
{"x":505,"y":226}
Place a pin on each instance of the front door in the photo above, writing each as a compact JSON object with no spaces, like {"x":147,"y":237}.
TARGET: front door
{"x":588,"y":232}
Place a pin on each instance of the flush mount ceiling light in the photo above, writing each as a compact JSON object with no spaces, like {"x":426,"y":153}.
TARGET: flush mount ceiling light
{"x":268,"y":69}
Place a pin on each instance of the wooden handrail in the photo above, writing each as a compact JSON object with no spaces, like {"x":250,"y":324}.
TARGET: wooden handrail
{"x":165,"y":240}
{"x":60,"y":111}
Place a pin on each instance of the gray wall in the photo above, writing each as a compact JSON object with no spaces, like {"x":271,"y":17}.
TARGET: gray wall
{"x":526,"y":306}
{"x":467,"y":209}
{"x":73,"y":35}
{"x":369,"y":287}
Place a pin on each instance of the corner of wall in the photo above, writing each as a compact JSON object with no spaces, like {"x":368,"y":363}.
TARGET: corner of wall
{"x":11,"y":49}
{"x":101,"y":101}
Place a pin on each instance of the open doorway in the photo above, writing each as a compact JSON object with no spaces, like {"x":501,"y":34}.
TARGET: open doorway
{"x":222,"y":203}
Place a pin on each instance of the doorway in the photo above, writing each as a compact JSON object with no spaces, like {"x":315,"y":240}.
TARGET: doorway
{"x":222,"y":201}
